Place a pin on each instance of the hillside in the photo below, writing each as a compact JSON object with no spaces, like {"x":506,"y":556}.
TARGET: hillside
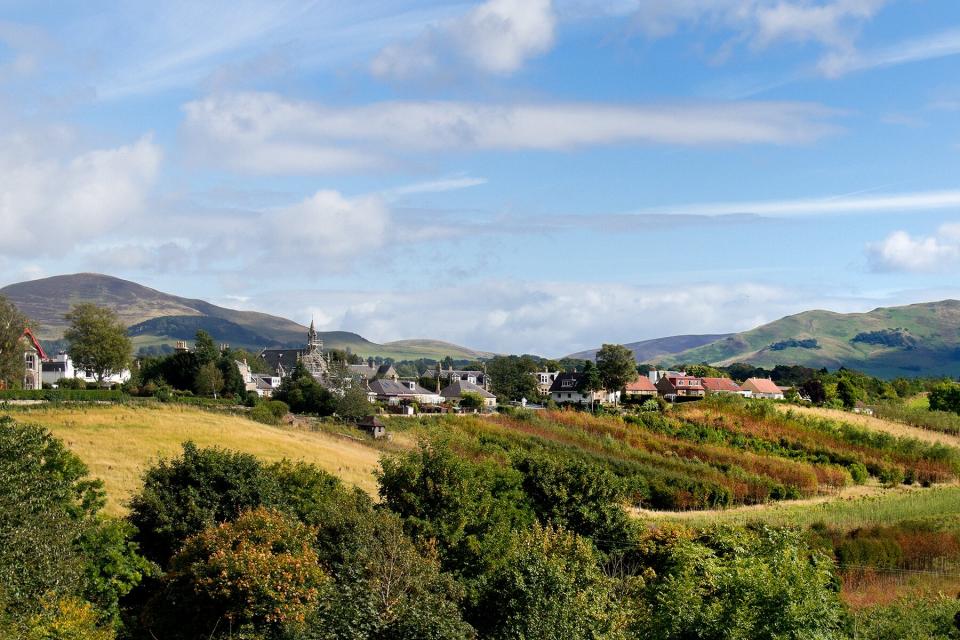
{"x":656,"y":348}
{"x":155,"y":318}
{"x":887,"y":342}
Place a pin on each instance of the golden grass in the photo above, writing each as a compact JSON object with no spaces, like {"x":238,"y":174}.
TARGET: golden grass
{"x":877,"y":424}
{"x":119,"y":442}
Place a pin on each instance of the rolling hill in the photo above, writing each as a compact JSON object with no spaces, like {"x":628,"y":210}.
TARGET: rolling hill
{"x":156,"y":318}
{"x":656,"y":348}
{"x":917,"y":339}
{"x":910,"y":340}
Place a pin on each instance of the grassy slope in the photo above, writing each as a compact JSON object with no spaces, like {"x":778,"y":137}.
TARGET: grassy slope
{"x":119,"y":442}
{"x":935,"y":324}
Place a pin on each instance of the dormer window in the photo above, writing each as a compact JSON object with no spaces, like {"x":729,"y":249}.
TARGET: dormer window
{"x":568,"y":383}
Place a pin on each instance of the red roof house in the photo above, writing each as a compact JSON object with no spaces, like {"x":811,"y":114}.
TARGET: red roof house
{"x":720,"y":385}
{"x":642,"y":386}
{"x":762,"y":388}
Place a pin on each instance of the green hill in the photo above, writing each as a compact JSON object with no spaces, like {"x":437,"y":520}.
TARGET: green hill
{"x":657,"y":348}
{"x":888,"y":342}
{"x":156,"y":318}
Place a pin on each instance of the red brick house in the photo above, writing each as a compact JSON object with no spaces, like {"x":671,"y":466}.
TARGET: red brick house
{"x":642,"y":387}
{"x":671,"y":386}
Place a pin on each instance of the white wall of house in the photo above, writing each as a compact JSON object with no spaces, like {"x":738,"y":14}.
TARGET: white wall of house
{"x":70,"y":371}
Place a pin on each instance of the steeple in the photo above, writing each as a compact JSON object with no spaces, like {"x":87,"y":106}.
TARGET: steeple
{"x":314,"y":343}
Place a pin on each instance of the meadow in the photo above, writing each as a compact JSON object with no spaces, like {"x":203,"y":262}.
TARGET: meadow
{"x":118,"y":442}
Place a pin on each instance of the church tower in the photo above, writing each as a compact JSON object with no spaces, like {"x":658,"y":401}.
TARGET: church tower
{"x":314,"y":342}
{"x":313,"y":358}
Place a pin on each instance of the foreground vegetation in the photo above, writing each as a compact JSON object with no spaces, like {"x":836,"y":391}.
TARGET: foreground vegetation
{"x":509,"y":526}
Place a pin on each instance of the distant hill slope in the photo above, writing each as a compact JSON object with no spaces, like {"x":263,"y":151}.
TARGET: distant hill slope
{"x":910,"y":340}
{"x":157,"y":318}
{"x":655,"y":349}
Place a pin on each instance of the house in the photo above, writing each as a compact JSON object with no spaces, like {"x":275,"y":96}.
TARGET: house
{"x":640,"y":388}
{"x":762,"y":388}
{"x":33,"y":357}
{"x":680,"y":387}
{"x":265,"y":385}
{"x":396,"y":392}
{"x":545,"y":380}
{"x":373,"y":427}
{"x":713,"y":386}
{"x":456,"y":389}
{"x":371,"y":371}
{"x":62,"y":366}
{"x":450,"y":374}
{"x":283,"y":361}
{"x":658,"y":374}
{"x":566,"y":390}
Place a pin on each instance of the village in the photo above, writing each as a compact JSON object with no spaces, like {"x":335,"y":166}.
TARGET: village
{"x":449,"y":388}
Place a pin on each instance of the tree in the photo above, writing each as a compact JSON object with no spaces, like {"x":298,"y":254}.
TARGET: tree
{"x":591,"y":382}
{"x":205,"y":348}
{"x":945,"y":397}
{"x":471,"y":401}
{"x":304,"y":394}
{"x":512,"y":377}
{"x":814,"y":389}
{"x":354,"y":404}
{"x":616,"y":365}
{"x":209,"y":380}
{"x":12,"y":324}
{"x":258,"y":573}
{"x":97,"y":340}
{"x":549,"y":587}
{"x":848,"y":392}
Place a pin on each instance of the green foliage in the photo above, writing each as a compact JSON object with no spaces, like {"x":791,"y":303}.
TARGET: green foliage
{"x":63,"y":395}
{"x":12,"y":324}
{"x":945,"y":397}
{"x":616,"y":365}
{"x":936,"y":618}
{"x":303,"y":394}
{"x":66,"y":618}
{"x":205,"y":348}
{"x":469,"y":509}
{"x":202,"y":488}
{"x":209,"y":380}
{"x":354,"y":404}
{"x":269,"y":412}
{"x":98,"y":340}
{"x":591,"y":380}
{"x":511,"y":377}
{"x":738,"y":584}
{"x":471,"y":401}
{"x":550,"y":587}
{"x":257,"y":573}
{"x":943,"y":421}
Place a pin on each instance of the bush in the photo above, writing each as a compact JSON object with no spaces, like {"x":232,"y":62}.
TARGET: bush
{"x":931,"y":619}
{"x":72,"y":383}
{"x":63,"y":395}
{"x":257,"y":573}
{"x":270,"y":412}
{"x":859,"y":472}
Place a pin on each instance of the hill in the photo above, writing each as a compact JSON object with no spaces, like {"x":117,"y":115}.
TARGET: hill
{"x":656,"y":348}
{"x":156,"y":318}
{"x":888,"y":342}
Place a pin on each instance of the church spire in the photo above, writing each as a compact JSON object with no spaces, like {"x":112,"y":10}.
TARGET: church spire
{"x":314,"y":343}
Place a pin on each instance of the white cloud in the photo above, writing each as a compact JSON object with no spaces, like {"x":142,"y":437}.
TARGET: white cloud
{"x":326,"y":228}
{"x":902,"y":252}
{"x":266,"y":133}
{"x":438,"y":186}
{"x":929,"y":47}
{"x":48,"y":205}
{"x":551,"y":318}
{"x":495,"y":37}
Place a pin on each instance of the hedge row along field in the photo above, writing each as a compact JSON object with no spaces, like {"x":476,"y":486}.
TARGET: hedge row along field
{"x":717,"y":453}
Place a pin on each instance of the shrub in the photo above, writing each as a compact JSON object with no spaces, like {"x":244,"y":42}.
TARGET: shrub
{"x":270,"y":412}
{"x":258,"y":572}
{"x":859,"y":472}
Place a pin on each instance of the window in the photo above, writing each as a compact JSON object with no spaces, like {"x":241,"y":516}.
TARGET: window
{"x":569,"y":383}
{"x":569,"y":395}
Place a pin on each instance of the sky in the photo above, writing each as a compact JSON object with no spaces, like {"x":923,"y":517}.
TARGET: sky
{"x":523,"y":176}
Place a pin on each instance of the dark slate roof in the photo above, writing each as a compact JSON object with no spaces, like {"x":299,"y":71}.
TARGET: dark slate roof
{"x":54,"y":366}
{"x":288,"y":357}
{"x":394,"y":388}
{"x":559,"y":384}
{"x":457,"y":388}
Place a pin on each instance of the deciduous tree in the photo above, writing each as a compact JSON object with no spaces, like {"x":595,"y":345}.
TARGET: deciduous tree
{"x":12,"y":324}
{"x":97,"y":340}
{"x":616,"y":365}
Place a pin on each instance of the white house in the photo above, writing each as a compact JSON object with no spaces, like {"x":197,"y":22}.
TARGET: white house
{"x":566,"y":390}
{"x":61,"y":366}
{"x":456,"y":389}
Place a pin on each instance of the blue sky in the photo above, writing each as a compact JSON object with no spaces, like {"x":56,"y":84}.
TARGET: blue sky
{"x":513,"y":175}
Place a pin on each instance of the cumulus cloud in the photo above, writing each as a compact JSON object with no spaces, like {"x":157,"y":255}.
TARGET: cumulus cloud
{"x":266,"y":133}
{"x":327,"y":227}
{"x":495,"y":37}
{"x":901,"y":251}
{"x":48,"y":205}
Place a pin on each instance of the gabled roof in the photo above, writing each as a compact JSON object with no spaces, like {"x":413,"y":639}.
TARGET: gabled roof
{"x":275,"y":357}
{"x":691,"y":382}
{"x":457,"y":388}
{"x":762,"y":385}
{"x":560,"y":385}
{"x":36,"y":343}
{"x":642,"y":383}
{"x":720,"y":384}
{"x":393,"y":388}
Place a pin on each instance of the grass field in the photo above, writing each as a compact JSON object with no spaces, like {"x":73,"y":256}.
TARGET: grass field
{"x":897,"y":429}
{"x":859,"y":507}
{"x":119,"y":442}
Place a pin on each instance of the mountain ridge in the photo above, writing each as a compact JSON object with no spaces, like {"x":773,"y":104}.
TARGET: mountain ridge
{"x":155,"y":318}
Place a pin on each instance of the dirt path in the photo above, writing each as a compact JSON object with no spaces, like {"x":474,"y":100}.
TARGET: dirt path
{"x":877,"y":424}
